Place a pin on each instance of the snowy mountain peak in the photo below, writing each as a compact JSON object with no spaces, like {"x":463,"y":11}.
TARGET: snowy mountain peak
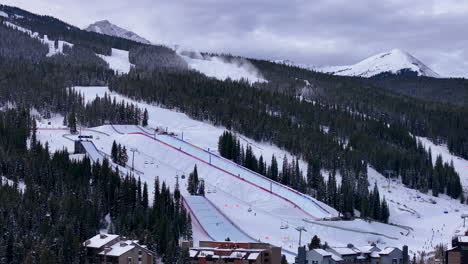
{"x":395,"y":61}
{"x":107,"y":28}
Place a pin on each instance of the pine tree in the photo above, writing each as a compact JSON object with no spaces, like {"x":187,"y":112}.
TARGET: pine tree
{"x":285,"y":175}
{"x":123,"y":156}
{"x":144,"y":122}
{"x":72,"y":122}
{"x":385,"y":214}
{"x":115,"y":152}
{"x":273,"y":169}
{"x":314,"y":243}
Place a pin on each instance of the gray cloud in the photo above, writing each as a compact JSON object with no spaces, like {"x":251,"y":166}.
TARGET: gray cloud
{"x":319,"y":32}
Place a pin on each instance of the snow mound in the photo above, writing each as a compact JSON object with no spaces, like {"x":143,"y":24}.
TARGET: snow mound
{"x":118,"y":61}
{"x":395,"y":61}
{"x":107,"y":28}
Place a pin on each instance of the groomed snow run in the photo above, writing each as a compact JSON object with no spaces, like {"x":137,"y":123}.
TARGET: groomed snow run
{"x":118,"y":61}
{"x":460,"y":164}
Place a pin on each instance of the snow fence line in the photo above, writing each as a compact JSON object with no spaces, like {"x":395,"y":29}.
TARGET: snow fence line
{"x":227,"y":172}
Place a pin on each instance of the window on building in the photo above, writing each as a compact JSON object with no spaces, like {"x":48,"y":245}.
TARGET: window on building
{"x":394,"y":261}
{"x":130,"y":260}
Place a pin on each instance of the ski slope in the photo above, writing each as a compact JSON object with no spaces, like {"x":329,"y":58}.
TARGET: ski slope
{"x":242,"y":203}
{"x":217,"y":225}
{"x":310,"y":206}
{"x":92,"y":151}
{"x":460,"y":164}
{"x":118,"y":61}
{"x":200,"y":133}
{"x":423,"y":224}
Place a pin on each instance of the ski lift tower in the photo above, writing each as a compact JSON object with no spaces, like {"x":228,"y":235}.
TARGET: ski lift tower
{"x":300,"y":229}
{"x":133,"y":150}
{"x":464,"y":216}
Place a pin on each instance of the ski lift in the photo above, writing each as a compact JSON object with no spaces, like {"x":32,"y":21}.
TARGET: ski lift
{"x":146,"y":162}
{"x":250,"y":210}
{"x":152,"y":162}
{"x":284,"y":226}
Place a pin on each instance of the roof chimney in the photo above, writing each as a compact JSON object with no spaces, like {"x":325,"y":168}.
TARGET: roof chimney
{"x":102,"y":236}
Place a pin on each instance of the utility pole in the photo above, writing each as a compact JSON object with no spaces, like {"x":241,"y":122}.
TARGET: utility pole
{"x":464,"y":216}
{"x":300,"y":229}
{"x":133,"y":150}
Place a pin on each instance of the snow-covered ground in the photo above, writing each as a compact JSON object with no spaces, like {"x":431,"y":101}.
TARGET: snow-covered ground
{"x":433,"y":220}
{"x":424,"y":224}
{"x":202,"y":134}
{"x":118,"y":61}
{"x":460,"y":164}
{"x":220,"y":69}
{"x":246,"y":205}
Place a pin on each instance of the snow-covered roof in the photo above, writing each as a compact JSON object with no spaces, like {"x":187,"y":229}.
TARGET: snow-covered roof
{"x":237,"y":254}
{"x":118,"y":248}
{"x":99,"y":240}
{"x":322,"y":252}
{"x":387,"y":251}
{"x":367,"y":249}
{"x":205,"y":253}
{"x":374,"y":254}
{"x":345,"y":251}
{"x":193,"y":253}
{"x":463,"y":239}
{"x":3,"y":14}
{"x":336,"y":257}
{"x":253,"y":256}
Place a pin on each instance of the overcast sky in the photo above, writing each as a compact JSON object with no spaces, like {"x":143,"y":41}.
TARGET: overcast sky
{"x":318,"y":32}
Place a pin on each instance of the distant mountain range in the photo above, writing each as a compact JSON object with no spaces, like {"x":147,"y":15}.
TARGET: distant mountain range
{"x":395,"y":61}
{"x":107,"y":28}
